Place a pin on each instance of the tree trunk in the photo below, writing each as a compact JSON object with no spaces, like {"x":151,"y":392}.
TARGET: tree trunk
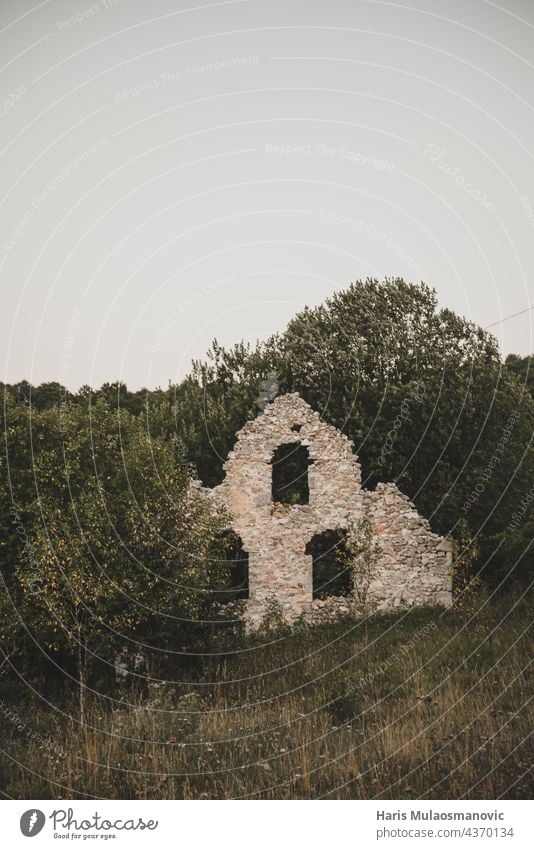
{"x":82,"y":676}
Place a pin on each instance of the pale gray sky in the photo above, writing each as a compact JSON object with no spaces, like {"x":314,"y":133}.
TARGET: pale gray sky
{"x":172,"y":172}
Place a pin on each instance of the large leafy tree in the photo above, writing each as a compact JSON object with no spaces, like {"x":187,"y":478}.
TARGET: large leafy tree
{"x":421,"y":391}
{"x":102,"y":540}
{"x":382,"y":360}
{"x":119,"y":550}
{"x":522,"y":368}
{"x":216,"y":399}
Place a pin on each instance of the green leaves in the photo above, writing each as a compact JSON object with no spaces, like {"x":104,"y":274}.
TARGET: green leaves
{"x":420,"y":390}
{"x":121,"y":547}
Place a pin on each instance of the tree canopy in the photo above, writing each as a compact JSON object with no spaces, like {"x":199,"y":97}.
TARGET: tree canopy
{"x":422,"y":392}
{"x":104,"y":541}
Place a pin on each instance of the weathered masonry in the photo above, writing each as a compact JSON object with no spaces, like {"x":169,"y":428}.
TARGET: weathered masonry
{"x":293,"y":487}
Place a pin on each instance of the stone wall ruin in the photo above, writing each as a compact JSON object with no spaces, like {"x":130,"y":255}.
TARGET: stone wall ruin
{"x":414,"y":565}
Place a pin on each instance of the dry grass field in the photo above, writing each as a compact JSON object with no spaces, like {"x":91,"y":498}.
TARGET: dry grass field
{"x":421,"y":705}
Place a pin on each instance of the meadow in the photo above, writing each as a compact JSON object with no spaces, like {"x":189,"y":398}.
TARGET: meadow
{"x":423,"y":704}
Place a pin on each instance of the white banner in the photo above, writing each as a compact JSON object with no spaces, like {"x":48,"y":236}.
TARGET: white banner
{"x":258,"y":824}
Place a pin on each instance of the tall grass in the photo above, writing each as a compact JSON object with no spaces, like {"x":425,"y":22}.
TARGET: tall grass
{"x":422,"y":705}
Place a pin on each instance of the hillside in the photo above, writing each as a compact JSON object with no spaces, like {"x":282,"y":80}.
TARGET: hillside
{"x":428,"y":704}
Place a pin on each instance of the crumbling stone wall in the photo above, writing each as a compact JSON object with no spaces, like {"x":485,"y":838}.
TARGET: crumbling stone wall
{"x":414,"y":565}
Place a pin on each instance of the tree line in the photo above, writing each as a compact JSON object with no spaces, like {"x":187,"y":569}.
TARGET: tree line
{"x":106,"y":546}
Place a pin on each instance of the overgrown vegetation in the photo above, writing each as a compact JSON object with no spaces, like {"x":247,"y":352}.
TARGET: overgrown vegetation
{"x":432,"y":705}
{"x":373,"y":356}
{"x":361,"y":555}
{"x":106,"y":549}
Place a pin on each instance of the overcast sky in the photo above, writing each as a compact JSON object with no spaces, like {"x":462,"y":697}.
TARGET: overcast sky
{"x":171,"y":175}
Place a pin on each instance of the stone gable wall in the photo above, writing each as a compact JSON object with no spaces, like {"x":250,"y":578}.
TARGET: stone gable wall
{"x":415,"y":563}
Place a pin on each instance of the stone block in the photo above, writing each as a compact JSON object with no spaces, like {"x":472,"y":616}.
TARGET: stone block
{"x":412,"y":564}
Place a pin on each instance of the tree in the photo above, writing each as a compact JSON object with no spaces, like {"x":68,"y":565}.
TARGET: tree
{"x":360,"y":554}
{"x":123,"y":551}
{"x":215,"y":400}
{"x":421,"y":391}
{"x":523,"y":369}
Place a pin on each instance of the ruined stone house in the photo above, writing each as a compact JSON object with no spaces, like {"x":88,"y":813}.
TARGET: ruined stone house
{"x":288,"y":525}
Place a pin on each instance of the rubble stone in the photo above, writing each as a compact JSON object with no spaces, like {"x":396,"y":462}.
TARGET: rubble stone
{"x":414,"y":565}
